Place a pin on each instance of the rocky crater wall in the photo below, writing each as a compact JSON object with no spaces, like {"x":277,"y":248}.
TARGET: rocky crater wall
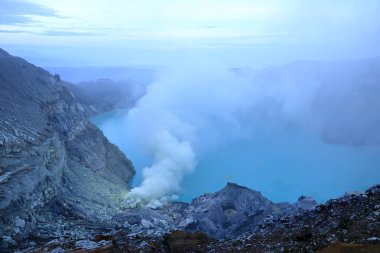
{"x":50,"y":151}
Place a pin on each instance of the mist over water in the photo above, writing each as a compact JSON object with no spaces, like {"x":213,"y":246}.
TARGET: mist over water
{"x":199,"y":127}
{"x":284,"y":166}
{"x":172,"y":120}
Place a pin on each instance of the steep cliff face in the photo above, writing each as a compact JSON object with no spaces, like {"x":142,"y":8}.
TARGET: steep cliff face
{"x":49,"y":151}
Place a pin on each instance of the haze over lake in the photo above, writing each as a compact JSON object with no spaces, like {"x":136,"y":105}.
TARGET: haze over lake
{"x":283,"y":163}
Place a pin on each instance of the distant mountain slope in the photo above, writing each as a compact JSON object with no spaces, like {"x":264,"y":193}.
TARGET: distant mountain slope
{"x":77,"y":75}
{"x":106,"y":95}
{"x":51,"y":153}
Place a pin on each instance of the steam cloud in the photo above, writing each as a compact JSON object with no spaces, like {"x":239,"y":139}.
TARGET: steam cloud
{"x":181,"y":110}
{"x":191,"y":110}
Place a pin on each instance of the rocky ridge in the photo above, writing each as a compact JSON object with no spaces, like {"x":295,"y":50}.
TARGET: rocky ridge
{"x":347,"y":223}
{"x":51,"y":153}
{"x":350,"y":223}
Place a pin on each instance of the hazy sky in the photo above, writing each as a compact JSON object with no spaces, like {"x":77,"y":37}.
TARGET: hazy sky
{"x":237,"y":32}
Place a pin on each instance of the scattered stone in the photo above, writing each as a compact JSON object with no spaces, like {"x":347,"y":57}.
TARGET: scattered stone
{"x":19,"y":222}
{"x":341,"y":247}
{"x":180,"y":241}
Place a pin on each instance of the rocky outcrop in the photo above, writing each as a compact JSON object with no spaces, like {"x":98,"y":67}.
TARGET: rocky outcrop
{"x":346,"y":224}
{"x":330,"y":227}
{"x":226,"y":214}
{"x":229,"y":212}
{"x":50,"y":152}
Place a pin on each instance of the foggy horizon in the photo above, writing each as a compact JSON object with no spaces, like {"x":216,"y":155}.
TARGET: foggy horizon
{"x":153,"y":33}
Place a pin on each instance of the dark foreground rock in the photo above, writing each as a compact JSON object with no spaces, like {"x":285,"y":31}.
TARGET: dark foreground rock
{"x":52,"y":159}
{"x":178,"y":241}
{"x":233,"y":210}
{"x":224,"y":214}
{"x":341,"y":247}
{"x":347,"y":224}
{"x":352,"y":219}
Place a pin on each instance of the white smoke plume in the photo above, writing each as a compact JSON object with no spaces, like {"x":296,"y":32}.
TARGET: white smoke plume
{"x":190,"y":110}
{"x":183,"y":113}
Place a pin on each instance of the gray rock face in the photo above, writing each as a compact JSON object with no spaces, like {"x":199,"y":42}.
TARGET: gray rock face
{"x":228,"y":213}
{"x":222,"y":214}
{"x":234,"y":210}
{"x":305,"y":203}
{"x":49,"y":151}
{"x":352,"y":219}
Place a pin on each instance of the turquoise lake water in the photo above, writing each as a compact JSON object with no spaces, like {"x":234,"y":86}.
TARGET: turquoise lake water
{"x":283,"y":165}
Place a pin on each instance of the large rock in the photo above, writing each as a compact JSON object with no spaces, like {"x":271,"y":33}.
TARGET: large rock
{"x":228,"y":213}
{"x":353,"y":220}
{"x":231,"y":211}
{"x":49,"y":151}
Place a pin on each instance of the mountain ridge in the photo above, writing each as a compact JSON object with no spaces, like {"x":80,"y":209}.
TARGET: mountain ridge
{"x":50,"y":151}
